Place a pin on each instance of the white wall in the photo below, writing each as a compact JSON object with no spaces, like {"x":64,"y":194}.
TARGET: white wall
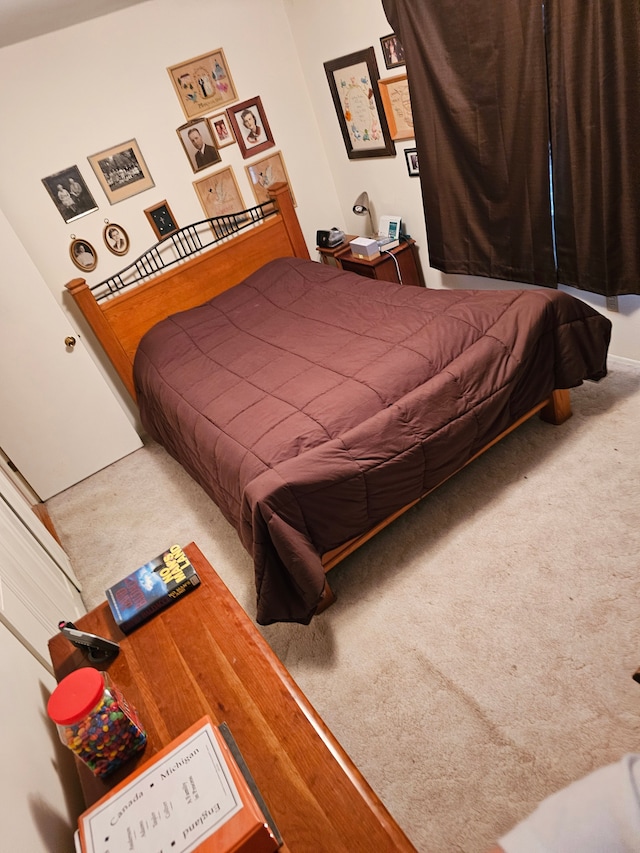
{"x":40,"y":796}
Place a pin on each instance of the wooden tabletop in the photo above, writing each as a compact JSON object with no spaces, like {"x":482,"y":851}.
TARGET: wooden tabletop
{"x":203,"y":655}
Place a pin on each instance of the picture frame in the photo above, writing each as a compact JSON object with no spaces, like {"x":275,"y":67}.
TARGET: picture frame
{"x":203,"y":84}
{"x":199,"y":144}
{"x":121,"y":171}
{"x":265,"y":173}
{"x":392,"y":51}
{"x":115,"y":238}
{"x":219,"y":193}
{"x":394,"y":92}
{"x":161,"y":220}
{"x":221,"y":130}
{"x":83,"y":255}
{"x":250,"y":127}
{"x":411,"y":156}
{"x":356,"y":97}
{"x":70,"y":194}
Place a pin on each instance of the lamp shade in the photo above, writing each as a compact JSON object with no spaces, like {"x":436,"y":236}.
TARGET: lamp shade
{"x":361,"y":207}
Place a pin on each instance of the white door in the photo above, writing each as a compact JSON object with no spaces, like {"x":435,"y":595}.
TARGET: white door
{"x":59,"y":420}
{"x":35,"y":592}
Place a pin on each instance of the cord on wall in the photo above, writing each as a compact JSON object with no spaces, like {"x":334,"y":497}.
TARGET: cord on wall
{"x":395,"y":261}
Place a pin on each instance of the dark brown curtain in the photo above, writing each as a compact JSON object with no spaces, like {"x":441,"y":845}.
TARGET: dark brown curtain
{"x":492,"y":99}
{"x":594,"y":84}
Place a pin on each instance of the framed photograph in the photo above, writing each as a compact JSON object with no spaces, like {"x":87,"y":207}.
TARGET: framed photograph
{"x":115,"y":238}
{"x":356,"y":97}
{"x":266,"y":172}
{"x":394,"y":92}
{"x":121,"y":171}
{"x":198,"y":144}
{"x":83,"y":255}
{"x":221,"y":130}
{"x":161,"y":219}
{"x":250,"y":127}
{"x":219,"y":193}
{"x":70,"y":194}
{"x":203,"y":84}
{"x":411,"y":155}
{"x":392,"y":51}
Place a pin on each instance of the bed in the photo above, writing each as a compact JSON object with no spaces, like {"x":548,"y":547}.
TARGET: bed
{"x":315,"y":406}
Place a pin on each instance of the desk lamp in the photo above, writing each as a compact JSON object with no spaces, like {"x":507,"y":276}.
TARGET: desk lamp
{"x":361,"y":207}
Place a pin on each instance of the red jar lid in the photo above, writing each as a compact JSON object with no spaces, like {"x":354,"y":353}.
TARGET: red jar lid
{"x":75,"y":696}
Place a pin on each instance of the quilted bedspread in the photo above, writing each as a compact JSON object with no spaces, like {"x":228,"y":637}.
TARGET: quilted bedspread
{"x":312,"y":403}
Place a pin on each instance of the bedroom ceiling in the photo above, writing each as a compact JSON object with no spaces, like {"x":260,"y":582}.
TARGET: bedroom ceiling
{"x":24,"y":19}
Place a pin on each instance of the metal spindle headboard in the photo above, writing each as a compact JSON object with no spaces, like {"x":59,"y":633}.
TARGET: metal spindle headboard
{"x":180,"y":246}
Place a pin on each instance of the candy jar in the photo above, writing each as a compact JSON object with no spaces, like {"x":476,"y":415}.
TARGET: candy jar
{"x":95,"y":721}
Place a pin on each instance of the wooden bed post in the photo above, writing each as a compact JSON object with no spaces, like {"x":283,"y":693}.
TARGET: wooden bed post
{"x":281,"y":195}
{"x":91,"y":311}
{"x":558,"y":408}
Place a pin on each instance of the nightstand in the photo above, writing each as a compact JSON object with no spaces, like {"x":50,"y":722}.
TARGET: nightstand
{"x":329,"y":256}
{"x":384,"y":267}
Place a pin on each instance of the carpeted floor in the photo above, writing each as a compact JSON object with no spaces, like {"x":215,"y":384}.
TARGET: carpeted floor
{"x":481,"y":650}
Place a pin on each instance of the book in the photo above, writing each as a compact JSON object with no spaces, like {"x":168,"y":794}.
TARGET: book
{"x":158,"y":583}
{"x":190,"y":796}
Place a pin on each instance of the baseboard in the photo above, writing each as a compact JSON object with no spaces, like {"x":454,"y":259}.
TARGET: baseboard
{"x":620,"y":359}
{"x":43,"y":514}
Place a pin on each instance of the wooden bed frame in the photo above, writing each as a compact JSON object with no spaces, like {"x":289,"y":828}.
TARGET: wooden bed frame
{"x":120,"y":321}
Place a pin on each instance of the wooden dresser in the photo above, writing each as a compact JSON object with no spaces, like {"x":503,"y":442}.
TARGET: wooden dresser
{"x":203,"y":655}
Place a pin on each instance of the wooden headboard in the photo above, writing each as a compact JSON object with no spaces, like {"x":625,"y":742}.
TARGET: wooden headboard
{"x":120,"y":321}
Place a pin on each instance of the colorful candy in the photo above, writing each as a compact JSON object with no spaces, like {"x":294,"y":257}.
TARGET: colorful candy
{"x":95,"y":721}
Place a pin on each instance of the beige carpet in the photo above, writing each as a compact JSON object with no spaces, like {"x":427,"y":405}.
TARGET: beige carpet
{"x":481,"y":650}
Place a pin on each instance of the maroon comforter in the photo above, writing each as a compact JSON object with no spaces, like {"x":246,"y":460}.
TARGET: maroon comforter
{"x":311,"y":403}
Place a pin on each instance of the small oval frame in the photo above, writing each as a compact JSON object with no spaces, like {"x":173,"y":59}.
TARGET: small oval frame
{"x":117,"y":242}
{"x":75,"y":250}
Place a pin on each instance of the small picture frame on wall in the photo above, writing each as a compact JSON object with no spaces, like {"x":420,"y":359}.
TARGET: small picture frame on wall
{"x":121,"y":171}
{"x":265,"y":173}
{"x":70,"y":194}
{"x":392,"y":51}
{"x":411,"y":156}
{"x":219,"y":193}
{"x":83,"y":255}
{"x":221,"y":130}
{"x":198,"y":144}
{"x":161,"y":220}
{"x":115,"y":238}
{"x":250,"y":127}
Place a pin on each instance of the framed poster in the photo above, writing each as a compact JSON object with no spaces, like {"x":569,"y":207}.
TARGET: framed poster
{"x":121,"y":171}
{"x":251,"y":127}
{"x":219,"y":193}
{"x":267,"y":172}
{"x":356,"y":97}
{"x":198,"y":144}
{"x":70,"y":194}
{"x":394,"y":92}
{"x":203,"y":84}
{"x":161,"y":220}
